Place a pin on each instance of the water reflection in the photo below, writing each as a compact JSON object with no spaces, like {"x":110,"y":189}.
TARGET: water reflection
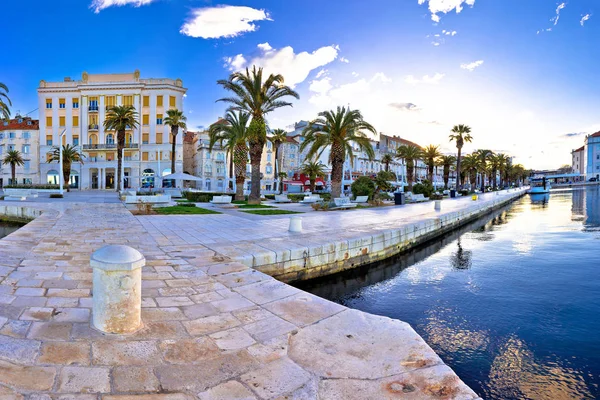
{"x":461,"y":258}
{"x":540,"y":199}
{"x":6,"y":228}
{"x":585,"y":207}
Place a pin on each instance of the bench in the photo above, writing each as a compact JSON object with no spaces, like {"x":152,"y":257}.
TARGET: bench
{"x":221,"y":200}
{"x":173,"y":192}
{"x":417,"y":198}
{"x":18,"y":194}
{"x":342,"y":203}
{"x":361,"y":199}
{"x":311,"y":199}
{"x":282,"y":198}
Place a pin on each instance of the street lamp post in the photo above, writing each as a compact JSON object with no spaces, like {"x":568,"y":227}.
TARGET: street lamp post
{"x":60,"y":158}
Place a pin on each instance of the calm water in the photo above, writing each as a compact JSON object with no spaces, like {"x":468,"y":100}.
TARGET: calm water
{"x":510,"y":302}
{"x":7,"y":228}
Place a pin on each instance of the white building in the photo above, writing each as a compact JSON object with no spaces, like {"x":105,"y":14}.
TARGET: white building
{"x":79,"y":108}
{"x":22,"y":134}
{"x":577,"y":160}
{"x":592,"y":156}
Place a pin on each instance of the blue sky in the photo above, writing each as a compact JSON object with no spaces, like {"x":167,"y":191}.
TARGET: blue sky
{"x":523,"y":79}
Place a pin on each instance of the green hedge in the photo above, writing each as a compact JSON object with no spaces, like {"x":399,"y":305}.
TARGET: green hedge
{"x":204,"y":197}
{"x":270,"y":196}
{"x":33,"y":186}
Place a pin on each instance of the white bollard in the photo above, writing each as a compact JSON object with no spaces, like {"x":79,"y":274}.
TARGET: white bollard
{"x":437,"y":205}
{"x":295,"y":224}
{"x":117,"y":289}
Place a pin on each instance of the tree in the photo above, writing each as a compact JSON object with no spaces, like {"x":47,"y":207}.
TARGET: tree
{"x":175,"y":119}
{"x":484,"y":156}
{"x":4,"y":102}
{"x":120,"y":119}
{"x":382,"y":181}
{"x":387,"y":159}
{"x":232,"y":133}
{"x":471,"y":164}
{"x":313,"y":170}
{"x":282,"y":175}
{"x":460,"y":134}
{"x":337,"y":131}
{"x":258,"y":98}
{"x":70,"y":155}
{"x":430,"y":155}
{"x":363,"y":186}
{"x":410,"y":154}
{"x":278,"y":137}
{"x":14,"y":158}
{"x":446,"y":162}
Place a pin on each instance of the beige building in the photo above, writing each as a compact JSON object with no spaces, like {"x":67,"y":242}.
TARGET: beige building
{"x":578,"y":158}
{"x":22,"y":134}
{"x":79,"y":107}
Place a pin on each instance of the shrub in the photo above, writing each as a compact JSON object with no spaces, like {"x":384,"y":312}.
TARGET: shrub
{"x":464,"y":192}
{"x":143,"y":207}
{"x":296,"y":197}
{"x":425,"y":188}
{"x":203,"y":197}
{"x":186,"y":205}
{"x":270,"y":196}
{"x":436,"y":196}
{"x":384,"y":196}
{"x":363,"y":186}
{"x":317,"y":206}
{"x":56,"y":196}
{"x":33,"y":186}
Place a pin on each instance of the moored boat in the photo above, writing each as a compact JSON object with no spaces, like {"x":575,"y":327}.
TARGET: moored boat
{"x":539,"y":185}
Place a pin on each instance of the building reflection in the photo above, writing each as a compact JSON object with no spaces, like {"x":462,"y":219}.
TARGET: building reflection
{"x":586,"y":207}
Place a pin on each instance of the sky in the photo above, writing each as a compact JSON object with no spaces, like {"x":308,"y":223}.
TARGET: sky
{"x":522,"y":73}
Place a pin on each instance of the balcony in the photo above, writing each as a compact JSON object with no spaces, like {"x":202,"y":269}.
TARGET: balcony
{"x":110,"y":146}
{"x":93,"y":127}
{"x":93,"y":108}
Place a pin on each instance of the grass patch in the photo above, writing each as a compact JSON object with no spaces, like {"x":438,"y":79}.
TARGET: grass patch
{"x":239,"y":202}
{"x":271,"y":212}
{"x":254,"y":206}
{"x":174,"y":210}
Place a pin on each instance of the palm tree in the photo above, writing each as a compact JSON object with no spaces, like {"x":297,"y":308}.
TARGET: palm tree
{"x":175,"y":119}
{"x":313,"y":170}
{"x":233,"y":135}
{"x":120,"y":119}
{"x":14,"y":158}
{"x":502,"y":162}
{"x":446,"y":162}
{"x":70,"y":155}
{"x":282,"y":175}
{"x":460,"y":134}
{"x":430,"y":155}
{"x":258,"y":98}
{"x":471,"y":164}
{"x":4,"y":101}
{"x":410,"y":154}
{"x":337,"y":131}
{"x":387,"y":160}
{"x":278,"y":137}
{"x":484,"y":156}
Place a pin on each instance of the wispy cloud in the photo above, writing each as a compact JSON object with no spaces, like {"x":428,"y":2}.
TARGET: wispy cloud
{"x":431,"y":80}
{"x":405,"y":106}
{"x":585,"y":18}
{"x":573,"y":134}
{"x":222,"y":21}
{"x":445,"y":6}
{"x":344,"y":60}
{"x":99,"y":5}
{"x":472,"y":66}
{"x":554,"y":19}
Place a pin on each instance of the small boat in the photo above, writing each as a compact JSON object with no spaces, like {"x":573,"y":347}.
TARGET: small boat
{"x":539,"y":185}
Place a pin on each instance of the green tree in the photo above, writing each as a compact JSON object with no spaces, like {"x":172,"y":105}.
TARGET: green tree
{"x":461,"y":134}
{"x":175,"y":119}
{"x":382,"y":181}
{"x":278,"y":137}
{"x":446,"y":162}
{"x":232,"y":134}
{"x":363,"y":186}
{"x":410,"y":154}
{"x":313,"y":170}
{"x":120,"y":119}
{"x":4,"y":102}
{"x":471,"y":164}
{"x":337,"y":131}
{"x":502,"y":163}
{"x":258,"y":98}
{"x":282,"y":175}
{"x":386,"y":160}
{"x":485,"y":157}
{"x":14,"y":159}
{"x":430,"y":156}
{"x":70,"y":155}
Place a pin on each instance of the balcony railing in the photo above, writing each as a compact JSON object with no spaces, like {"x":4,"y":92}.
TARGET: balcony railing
{"x":93,"y":127}
{"x":109,"y":146}
{"x":93,"y":108}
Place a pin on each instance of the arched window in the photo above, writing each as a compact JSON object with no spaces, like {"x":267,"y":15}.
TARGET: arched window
{"x":93,"y":139}
{"x":220,"y":156}
{"x":208,"y":168}
{"x":148,"y":178}
{"x":129,"y":138}
{"x":110,"y":139}
{"x":52,"y":177}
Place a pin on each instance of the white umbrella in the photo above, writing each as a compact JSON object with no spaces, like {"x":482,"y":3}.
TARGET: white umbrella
{"x":180,"y":176}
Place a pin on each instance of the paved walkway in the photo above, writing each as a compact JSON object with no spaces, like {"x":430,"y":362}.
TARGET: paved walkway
{"x":213,"y":329}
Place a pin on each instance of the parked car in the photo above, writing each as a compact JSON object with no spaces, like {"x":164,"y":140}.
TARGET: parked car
{"x":593,"y":180}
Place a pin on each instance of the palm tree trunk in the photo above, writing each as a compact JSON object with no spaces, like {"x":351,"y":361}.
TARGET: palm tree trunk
{"x":174,"y":132}
{"x":120,"y":146}
{"x":430,"y":173}
{"x":231,"y":172}
{"x":410,"y":175}
{"x":257,"y":133}
{"x":312,"y":185}
{"x":239,"y":187}
{"x":67,"y":174}
{"x":240,"y":156}
{"x":458,"y":187}
{"x":337,"y":169}
{"x":483,"y":182}
{"x":13,"y":173}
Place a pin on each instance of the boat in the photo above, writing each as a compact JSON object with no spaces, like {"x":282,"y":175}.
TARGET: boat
{"x":539,"y":185}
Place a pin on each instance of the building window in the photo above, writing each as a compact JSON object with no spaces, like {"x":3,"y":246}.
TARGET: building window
{"x":159,"y":138}
{"x":26,"y":164}
{"x":146,"y":119}
{"x":75,"y":120}
{"x":62,"y":121}
{"x":159,"y":119}
{"x":62,"y":103}
{"x":171,"y":101}
{"x":75,"y":140}
{"x":26,"y":135}
{"x":159,"y":101}
{"x":145,"y":156}
{"x":110,"y":139}
{"x":110,"y":156}
{"x":127,"y":100}
{"x":48,"y":140}
{"x":12,"y":135}
{"x":26,"y":149}
{"x":48,"y":103}
{"x":220,"y":157}
{"x":269,"y":157}
{"x":269,"y":169}
{"x":49,"y":122}
{"x":146,"y":101}
{"x":93,"y":104}
{"x":75,"y":103}
{"x":1,"y":135}
{"x":29,"y":123}
{"x":145,"y":138}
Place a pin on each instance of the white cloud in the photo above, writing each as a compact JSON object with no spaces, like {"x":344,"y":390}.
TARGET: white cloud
{"x":445,"y":6}
{"x":344,"y":60}
{"x":295,"y":68}
{"x":328,"y":96}
{"x":557,"y":17}
{"x":99,"y":5}
{"x":320,"y":86}
{"x":321,"y":73}
{"x":449,"y":33}
{"x":354,"y":74}
{"x":432,"y":80}
{"x":472,"y":66}
{"x":585,"y":18}
{"x":222,"y":21}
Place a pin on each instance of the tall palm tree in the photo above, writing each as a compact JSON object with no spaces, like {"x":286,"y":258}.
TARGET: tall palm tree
{"x":278,"y":137}
{"x":502,"y":161}
{"x":14,"y":158}
{"x":446,"y":162}
{"x":430,"y":155}
{"x":233,"y":136}
{"x":4,"y":101}
{"x":410,"y":154}
{"x":337,"y":131}
{"x":175,"y":119}
{"x":120,"y":119}
{"x":313,"y":170}
{"x":258,"y":98}
{"x":387,"y":160}
{"x":70,"y":155}
{"x":282,"y":175}
{"x":485,"y":157}
{"x":471,"y":164}
{"x":460,"y":134}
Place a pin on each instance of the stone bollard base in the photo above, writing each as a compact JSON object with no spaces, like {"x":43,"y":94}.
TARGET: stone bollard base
{"x":295,"y":224}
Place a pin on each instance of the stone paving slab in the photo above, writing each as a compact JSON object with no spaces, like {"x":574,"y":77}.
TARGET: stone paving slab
{"x":213,"y":328}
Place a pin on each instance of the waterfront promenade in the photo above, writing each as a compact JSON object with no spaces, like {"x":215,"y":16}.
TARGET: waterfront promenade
{"x":214,"y":328}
